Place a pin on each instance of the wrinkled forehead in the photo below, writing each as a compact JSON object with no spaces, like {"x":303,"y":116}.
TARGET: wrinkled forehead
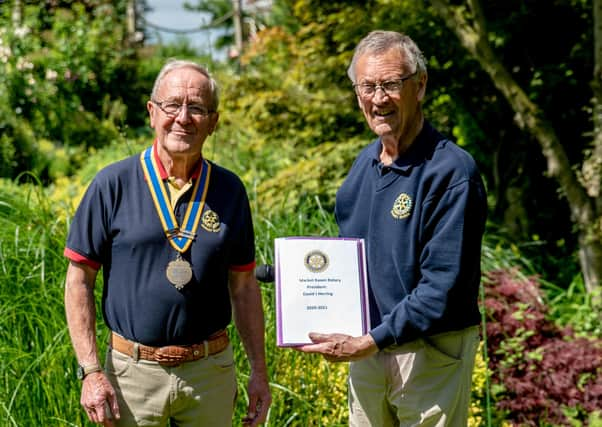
{"x":390,"y":62}
{"x":185,"y":83}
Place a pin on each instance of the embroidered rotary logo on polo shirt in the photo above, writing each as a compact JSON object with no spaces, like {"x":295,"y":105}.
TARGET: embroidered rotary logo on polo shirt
{"x":402,"y":207}
{"x":316,"y":261}
{"x":210,"y":221}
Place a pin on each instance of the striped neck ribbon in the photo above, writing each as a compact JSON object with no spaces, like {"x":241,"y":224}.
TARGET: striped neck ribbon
{"x":179,"y":237}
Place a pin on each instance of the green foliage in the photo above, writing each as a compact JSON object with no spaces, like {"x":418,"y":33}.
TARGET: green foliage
{"x":575,"y":307}
{"x":16,"y":132}
{"x":63,"y":82}
{"x":37,"y":367}
{"x":66,"y":192}
{"x":319,"y":173}
{"x":292,"y":95}
{"x":293,"y":107}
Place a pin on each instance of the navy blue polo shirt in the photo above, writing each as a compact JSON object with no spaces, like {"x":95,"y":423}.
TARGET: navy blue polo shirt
{"x":423,"y":219}
{"x":116,"y":226}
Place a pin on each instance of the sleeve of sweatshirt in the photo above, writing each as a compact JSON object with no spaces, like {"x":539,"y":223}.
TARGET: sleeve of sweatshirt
{"x":452,"y":225}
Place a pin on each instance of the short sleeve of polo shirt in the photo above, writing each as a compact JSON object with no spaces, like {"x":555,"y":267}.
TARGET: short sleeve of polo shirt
{"x":89,"y":230}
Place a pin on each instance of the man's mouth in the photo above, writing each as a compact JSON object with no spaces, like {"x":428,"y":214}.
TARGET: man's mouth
{"x":383,"y":113}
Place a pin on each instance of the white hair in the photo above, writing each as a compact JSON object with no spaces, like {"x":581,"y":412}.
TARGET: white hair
{"x":378,"y":42}
{"x":175,"y":64}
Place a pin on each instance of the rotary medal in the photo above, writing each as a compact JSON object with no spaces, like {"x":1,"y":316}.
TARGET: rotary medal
{"x":178,"y":271}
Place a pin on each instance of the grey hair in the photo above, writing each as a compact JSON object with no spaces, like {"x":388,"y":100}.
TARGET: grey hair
{"x":379,"y":42}
{"x":175,"y":64}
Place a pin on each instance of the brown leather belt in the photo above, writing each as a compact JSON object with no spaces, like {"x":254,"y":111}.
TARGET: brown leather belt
{"x":170,"y":355}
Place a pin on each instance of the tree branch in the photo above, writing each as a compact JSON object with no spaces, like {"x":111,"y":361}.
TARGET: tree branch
{"x":592,"y":167}
{"x":470,"y":29}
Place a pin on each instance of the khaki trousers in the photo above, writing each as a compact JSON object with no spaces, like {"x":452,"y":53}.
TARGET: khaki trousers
{"x":198,"y":393}
{"x":425,"y":382}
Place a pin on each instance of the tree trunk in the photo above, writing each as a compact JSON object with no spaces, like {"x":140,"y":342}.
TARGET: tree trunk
{"x":131,"y":20}
{"x":591,"y":244}
{"x":468,"y":22}
{"x":237,"y":7}
{"x":17,"y":15}
{"x":590,"y":257}
{"x":591,"y":170}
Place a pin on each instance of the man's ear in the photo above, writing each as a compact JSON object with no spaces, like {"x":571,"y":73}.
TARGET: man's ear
{"x":151,"y":110}
{"x":214,"y":120}
{"x":421,"y":87}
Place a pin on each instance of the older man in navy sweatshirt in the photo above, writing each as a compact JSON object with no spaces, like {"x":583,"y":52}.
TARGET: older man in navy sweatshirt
{"x":419,"y":202}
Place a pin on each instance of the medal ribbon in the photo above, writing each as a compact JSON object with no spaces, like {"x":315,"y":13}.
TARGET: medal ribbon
{"x":179,"y":238}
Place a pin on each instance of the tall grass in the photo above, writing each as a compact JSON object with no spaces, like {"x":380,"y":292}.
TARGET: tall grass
{"x":306,"y":390}
{"x":37,"y":367}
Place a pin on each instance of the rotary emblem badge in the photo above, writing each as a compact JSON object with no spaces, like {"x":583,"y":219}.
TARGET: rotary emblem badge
{"x":316,"y":261}
{"x":210,"y":221}
{"x":402,"y":207}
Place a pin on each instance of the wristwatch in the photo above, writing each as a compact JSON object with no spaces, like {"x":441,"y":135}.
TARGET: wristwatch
{"x":83,"y":371}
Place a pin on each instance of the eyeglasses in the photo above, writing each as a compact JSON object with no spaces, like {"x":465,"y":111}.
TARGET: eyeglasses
{"x":390,"y":87}
{"x":172,"y":109}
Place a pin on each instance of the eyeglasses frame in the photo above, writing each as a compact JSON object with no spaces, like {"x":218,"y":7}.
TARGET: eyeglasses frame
{"x":376,"y":86}
{"x":172,"y":115}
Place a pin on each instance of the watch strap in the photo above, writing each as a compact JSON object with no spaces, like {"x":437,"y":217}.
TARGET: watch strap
{"x":86,"y":370}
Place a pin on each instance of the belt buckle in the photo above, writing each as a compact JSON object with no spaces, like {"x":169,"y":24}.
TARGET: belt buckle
{"x":170,"y":355}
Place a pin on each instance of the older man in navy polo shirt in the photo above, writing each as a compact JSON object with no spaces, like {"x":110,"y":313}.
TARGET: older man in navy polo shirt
{"x":173,"y":234}
{"x":418,"y":201}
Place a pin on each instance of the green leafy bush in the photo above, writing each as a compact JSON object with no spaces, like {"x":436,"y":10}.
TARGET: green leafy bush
{"x":62,"y":80}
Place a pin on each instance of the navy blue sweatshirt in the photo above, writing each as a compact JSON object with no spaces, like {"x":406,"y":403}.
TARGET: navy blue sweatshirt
{"x":423,"y":219}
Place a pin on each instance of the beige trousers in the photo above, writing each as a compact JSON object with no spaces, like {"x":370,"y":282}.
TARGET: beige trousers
{"x":424,"y":383}
{"x":199,"y":393}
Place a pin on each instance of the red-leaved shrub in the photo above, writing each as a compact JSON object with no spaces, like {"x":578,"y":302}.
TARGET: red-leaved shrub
{"x":537,"y":369}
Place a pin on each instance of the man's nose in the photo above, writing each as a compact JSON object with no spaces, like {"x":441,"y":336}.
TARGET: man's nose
{"x":379,"y":94}
{"x":183,"y":116}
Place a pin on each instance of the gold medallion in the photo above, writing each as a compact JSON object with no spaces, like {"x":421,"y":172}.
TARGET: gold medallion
{"x":179,"y":273}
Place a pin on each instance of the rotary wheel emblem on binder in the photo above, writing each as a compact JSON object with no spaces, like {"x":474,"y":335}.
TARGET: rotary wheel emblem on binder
{"x":316,"y":261}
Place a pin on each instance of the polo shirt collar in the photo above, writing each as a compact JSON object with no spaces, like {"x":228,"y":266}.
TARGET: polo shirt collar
{"x":163,"y":172}
{"x":415,"y":153}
